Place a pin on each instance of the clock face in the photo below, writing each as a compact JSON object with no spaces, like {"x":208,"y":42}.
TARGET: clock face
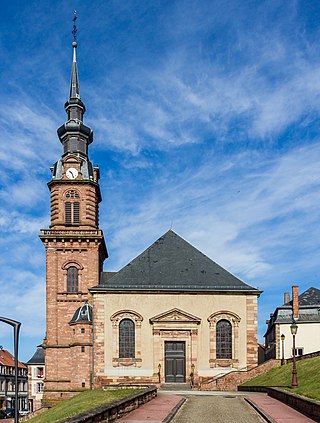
{"x":72,"y":173}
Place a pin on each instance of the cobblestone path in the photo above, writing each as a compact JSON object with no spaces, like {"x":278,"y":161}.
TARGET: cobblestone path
{"x":217,"y":409}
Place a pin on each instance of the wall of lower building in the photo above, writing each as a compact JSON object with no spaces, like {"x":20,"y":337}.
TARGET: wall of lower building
{"x":35,"y":385}
{"x":198,"y":340}
{"x":307,"y":338}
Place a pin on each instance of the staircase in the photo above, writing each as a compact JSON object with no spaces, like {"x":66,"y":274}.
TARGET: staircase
{"x":175,"y":387}
{"x":230,"y":381}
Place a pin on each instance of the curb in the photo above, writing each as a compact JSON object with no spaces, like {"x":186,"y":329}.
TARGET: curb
{"x":260,"y":411}
{"x":174,"y":411}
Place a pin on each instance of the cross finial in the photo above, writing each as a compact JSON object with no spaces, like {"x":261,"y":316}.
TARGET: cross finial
{"x":74,"y":31}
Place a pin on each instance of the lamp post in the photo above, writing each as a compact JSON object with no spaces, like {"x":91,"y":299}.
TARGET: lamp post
{"x":294,"y":329}
{"x":16,"y":329}
{"x":159,"y":373}
{"x":282,"y":342}
{"x":192,"y":376}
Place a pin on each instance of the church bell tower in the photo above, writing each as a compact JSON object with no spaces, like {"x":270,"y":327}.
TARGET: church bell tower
{"x":75,"y":252}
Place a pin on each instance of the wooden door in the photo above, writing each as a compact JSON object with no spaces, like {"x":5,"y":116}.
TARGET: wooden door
{"x":175,"y":361}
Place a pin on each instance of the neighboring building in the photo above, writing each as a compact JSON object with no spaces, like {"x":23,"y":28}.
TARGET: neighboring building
{"x":7,"y":382}
{"x":36,"y":375}
{"x":169,"y":312}
{"x":261,"y":353}
{"x":305,"y":310}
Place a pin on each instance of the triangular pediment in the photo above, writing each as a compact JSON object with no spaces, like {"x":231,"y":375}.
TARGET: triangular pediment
{"x":175,"y":315}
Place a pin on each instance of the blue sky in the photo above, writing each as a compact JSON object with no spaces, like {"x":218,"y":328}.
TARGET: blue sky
{"x":205,"y":118}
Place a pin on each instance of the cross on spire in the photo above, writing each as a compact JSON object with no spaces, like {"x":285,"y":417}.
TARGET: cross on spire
{"x":74,"y":31}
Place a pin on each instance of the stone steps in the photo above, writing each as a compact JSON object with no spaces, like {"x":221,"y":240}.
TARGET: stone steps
{"x":175,"y":387}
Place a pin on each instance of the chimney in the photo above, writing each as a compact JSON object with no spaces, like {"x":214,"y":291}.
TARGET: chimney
{"x":286,"y":297}
{"x":295,"y":302}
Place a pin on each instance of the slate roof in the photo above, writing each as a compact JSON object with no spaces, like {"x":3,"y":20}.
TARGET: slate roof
{"x":309,"y":297}
{"x":83,"y":314}
{"x":172,"y":264}
{"x":38,"y":356}
{"x":309,"y":310}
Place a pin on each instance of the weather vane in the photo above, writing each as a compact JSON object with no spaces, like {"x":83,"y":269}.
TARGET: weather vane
{"x":74,"y":32}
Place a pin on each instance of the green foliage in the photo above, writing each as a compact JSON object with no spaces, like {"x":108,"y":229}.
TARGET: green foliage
{"x":80,"y":403}
{"x":309,"y":384}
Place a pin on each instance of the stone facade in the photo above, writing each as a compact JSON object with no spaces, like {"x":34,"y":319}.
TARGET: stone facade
{"x":75,"y":251}
{"x":172,"y":324}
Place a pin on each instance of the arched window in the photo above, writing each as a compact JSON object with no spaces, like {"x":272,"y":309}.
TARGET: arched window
{"x":126,"y":339}
{"x":72,"y":208}
{"x":72,"y":279}
{"x":224,"y":339}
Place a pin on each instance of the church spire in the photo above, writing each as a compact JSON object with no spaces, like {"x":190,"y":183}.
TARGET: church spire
{"x":74,"y":84}
{"x":74,"y":106}
{"x":74,"y":135}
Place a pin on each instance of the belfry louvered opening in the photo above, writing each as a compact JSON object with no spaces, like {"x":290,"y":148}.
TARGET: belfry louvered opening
{"x":72,"y":209}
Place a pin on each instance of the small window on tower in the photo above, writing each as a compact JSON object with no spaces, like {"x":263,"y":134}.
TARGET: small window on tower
{"x":72,"y":279}
{"x":72,"y":208}
{"x":73,"y":144}
{"x":72,"y":194}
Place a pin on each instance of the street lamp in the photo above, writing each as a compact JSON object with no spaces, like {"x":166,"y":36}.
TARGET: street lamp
{"x":294,"y":329}
{"x":282,"y":342}
{"x":16,"y":329}
{"x":159,"y":372}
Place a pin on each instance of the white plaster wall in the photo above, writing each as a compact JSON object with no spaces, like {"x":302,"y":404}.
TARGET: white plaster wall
{"x":150,"y":305}
{"x":308,"y":338}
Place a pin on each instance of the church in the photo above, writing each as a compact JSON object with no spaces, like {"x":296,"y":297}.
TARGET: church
{"x":171,"y":315}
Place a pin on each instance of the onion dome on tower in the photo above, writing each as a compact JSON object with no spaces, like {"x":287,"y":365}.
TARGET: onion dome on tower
{"x":74,"y":135}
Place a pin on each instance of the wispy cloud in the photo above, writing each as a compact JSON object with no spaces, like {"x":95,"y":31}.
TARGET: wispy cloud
{"x":205,"y":119}
{"x":230,"y":218}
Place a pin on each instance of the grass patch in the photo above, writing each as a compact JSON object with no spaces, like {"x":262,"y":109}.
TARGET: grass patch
{"x":307,"y":371}
{"x":80,"y":403}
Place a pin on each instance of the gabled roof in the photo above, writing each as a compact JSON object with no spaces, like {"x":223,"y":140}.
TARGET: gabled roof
{"x":172,"y":264}
{"x":38,"y":356}
{"x":7,"y":359}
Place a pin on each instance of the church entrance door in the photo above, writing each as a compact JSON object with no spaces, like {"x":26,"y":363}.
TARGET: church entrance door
{"x":175,"y":361}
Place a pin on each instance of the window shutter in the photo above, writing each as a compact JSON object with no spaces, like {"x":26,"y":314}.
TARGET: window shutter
{"x":76,"y":212}
{"x":68,"y":212}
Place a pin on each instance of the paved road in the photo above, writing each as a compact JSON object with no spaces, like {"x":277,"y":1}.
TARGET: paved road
{"x":217,"y":409}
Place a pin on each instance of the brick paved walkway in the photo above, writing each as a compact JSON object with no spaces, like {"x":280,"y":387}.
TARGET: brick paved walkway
{"x":277,"y":410}
{"x":155,"y":411}
{"x":216,"y":404}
